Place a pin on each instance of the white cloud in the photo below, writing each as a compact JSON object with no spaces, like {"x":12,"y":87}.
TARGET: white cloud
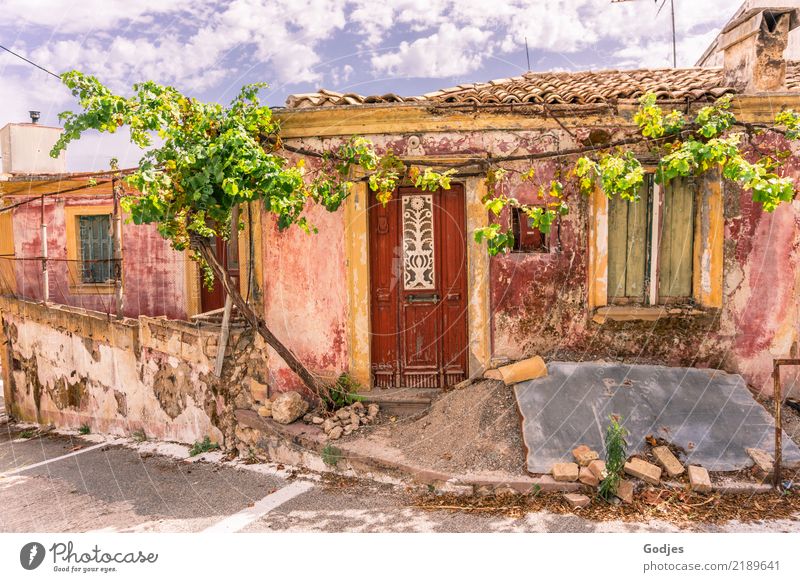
{"x":448,"y":52}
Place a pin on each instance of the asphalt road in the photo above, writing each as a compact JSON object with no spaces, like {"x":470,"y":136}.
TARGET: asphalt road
{"x":69,"y":483}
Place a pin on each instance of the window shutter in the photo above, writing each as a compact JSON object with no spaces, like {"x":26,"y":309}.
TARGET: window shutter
{"x":95,"y":243}
{"x":627,"y":246}
{"x":677,"y":236}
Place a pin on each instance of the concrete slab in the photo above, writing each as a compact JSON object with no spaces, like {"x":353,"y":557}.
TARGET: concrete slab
{"x":710,"y":414}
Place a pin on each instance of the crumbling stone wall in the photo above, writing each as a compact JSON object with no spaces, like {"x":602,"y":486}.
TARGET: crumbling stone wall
{"x":68,"y":367}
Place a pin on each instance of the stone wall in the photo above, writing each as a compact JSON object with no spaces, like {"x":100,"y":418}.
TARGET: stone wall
{"x":68,"y":367}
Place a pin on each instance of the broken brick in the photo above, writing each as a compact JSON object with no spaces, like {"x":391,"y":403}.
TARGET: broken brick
{"x":699,"y":479}
{"x":669,"y":461}
{"x":565,"y":472}
{"x":647,"y":472}
{"x":763,"y":460}
{"x":588,"y":478}
{"x":584,"y":455}
{"x":577,"y":500}
{"x":625,"y":491}
{"x":598,"y":469}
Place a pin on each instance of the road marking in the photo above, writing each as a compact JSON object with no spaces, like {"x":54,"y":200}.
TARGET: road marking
{"x":47,"y":462}
{"x":239,"y":521}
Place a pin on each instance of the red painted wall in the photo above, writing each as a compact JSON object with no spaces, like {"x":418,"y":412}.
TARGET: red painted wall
{"x":153,"y":273}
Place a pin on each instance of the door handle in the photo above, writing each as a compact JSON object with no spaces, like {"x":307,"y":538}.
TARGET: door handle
{"x":432,"y":298}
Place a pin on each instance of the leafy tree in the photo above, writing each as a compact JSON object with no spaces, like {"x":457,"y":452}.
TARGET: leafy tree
{"x":211,"y":158}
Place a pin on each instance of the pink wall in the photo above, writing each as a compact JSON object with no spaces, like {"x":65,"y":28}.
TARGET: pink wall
{"x":153,"y":274}
{"x":305,"y":295}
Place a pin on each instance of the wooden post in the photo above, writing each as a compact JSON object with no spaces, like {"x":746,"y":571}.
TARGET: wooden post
{"x":226,"y":316}
{"x":45,"y":274}
{"x":116,"y":245}
{"x":777,"y":396}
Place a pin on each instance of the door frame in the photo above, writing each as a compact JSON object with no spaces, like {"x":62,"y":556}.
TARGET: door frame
{"x":359,"y":325}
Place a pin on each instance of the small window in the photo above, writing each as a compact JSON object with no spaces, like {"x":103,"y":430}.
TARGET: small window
{"x":527,"y":238}
{"x":94,"y":232}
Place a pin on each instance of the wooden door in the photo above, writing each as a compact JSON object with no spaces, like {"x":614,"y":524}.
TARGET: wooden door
{"x":228,"y":255}
{"x":418,"y":263}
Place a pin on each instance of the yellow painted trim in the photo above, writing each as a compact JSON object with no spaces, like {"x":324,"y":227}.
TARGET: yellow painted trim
{"x":709,"y":236}
{"x":356,"y":226}
{"x":8,"y":272}
{"x":192,"y":284}
{"x":597,"y":295}
{"x":71,"y":214}
{"x":478,"y":284}
{"x":405,"y":118}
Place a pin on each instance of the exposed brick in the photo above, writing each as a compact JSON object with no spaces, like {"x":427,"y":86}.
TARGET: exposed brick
{"x":699,"y":479}
{"x":763,"y":460}
{"x":625,"y":491}
{"x":588,"y":478}
{"x":259,"y":391}
{"x":598,"y":469}
{"x":670,"y":462}
{"x":577,"y":500}
{"x":565,"y":472}
{"x":584,"y":455}
{"x":643,"y":470}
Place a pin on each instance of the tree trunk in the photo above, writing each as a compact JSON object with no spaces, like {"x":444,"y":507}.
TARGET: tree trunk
{"x":202,"y":246}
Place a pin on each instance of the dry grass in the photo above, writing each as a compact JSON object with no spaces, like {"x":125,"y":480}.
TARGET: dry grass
{"x":679,"y":507}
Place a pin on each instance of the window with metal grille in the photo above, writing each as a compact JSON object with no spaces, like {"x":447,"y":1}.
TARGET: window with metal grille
{"x":95,"y":244}
{"x":652,"y":238}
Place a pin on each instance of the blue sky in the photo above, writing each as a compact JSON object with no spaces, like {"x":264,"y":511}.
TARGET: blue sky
{"x":210,"y":48}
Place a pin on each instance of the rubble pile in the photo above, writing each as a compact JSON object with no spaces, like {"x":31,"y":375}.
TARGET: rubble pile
{"x":345,"y":420}
{"x":589,"y":470}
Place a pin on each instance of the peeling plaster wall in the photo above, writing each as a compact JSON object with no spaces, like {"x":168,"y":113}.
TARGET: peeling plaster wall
{"x":70,"y":367}
{"x":153,"y":274}
{"x":539,"y":302}
{"x":305,"y":295}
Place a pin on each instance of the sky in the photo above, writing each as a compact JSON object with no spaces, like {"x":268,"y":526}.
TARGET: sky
{"x":209,"y":49}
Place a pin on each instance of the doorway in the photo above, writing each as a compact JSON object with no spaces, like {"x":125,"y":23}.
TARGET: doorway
{"x":227,"y":253}
{"x":418,"y":288}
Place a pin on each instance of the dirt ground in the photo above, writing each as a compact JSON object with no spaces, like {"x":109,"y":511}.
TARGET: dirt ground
{"x":476,"y":429}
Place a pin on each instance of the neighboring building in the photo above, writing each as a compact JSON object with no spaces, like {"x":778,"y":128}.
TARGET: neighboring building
{"x":746,"y":22}
{"x":77,"y":207}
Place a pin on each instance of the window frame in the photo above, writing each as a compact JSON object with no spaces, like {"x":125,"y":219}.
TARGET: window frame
{"x":707,"y":257}
{"x":76,"y":284}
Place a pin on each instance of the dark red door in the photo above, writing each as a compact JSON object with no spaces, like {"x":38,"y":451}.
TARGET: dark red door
{"x":228,"y":255}
{"x":418,"y":264}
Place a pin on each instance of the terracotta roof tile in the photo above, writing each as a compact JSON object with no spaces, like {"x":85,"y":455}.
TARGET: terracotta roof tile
{"x":577,"y":88}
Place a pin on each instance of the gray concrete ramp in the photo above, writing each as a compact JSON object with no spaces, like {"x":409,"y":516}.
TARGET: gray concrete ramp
{"x":708,"y":413}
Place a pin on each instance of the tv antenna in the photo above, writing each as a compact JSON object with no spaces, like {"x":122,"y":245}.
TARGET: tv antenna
{"x":672,"y":10}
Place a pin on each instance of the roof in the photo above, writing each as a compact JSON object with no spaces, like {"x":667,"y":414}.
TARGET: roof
{"x":576,"y":88}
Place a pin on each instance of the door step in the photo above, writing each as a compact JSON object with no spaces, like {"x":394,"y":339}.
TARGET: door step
{"x":401,"y":402}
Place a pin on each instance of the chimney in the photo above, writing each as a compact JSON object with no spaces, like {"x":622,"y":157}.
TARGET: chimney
{"x":25,"y":148}
{"x":753,"y":45}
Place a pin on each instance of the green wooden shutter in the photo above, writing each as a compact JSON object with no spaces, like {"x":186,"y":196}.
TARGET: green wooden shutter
{"x":677,"y":238}
{"x":627,"y":246}
{"x":95,"y":239}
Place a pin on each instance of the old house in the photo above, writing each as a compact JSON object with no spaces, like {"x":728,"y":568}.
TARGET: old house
{"x":695,"y":274}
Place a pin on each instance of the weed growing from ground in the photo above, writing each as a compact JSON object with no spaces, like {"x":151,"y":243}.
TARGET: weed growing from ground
{"x":203,"y":446}
{"x":84,"y":429}
{"x":331,"y":455}
{"x":615,"y":458}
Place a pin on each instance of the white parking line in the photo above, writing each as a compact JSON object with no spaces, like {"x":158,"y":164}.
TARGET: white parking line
{"x":239,"y":521}
{"x":48,"y":461}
